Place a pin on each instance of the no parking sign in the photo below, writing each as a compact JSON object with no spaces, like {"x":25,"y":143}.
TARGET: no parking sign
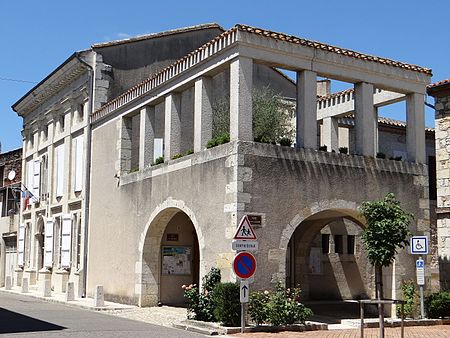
{"x":244,"y":265}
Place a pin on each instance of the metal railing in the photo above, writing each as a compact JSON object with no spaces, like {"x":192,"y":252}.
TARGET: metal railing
{"x":378,"y":302}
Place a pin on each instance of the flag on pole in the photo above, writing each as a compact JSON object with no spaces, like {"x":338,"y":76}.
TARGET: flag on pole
{"x":27,"y":196}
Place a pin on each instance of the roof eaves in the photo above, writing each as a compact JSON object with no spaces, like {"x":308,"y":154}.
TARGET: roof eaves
{"x":157,"y":35}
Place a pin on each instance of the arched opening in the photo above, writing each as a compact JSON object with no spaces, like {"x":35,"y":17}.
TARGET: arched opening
{"x":326,"y":259}
{"x":170,"y":258}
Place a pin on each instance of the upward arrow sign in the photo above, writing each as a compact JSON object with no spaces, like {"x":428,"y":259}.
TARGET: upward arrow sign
{"x":244,"y":291}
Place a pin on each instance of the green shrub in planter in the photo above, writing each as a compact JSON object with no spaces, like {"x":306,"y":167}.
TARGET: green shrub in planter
{"x":221,"y":139}
{"x":343,"y":150}
{"x":285,"y":141}
{"x":227,"y":308}
{"x":381,"y":155}
{"x":174,"y":157}
{"x":323,"y":148}
{"x":199,"y":304}
{"x":158,"y":160}
{"x":438,"y":304}
{"x":257,"y":307}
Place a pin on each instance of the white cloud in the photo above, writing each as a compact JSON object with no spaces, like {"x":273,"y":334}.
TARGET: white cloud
{"x":123,"y":35}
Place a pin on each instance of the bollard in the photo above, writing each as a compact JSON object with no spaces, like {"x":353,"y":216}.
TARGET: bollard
{"x":24,"y":285}
{"x":47,"y":288}
{"x":70,"y":292}
{"x":8,"y":283}
{"x":98,"y":296}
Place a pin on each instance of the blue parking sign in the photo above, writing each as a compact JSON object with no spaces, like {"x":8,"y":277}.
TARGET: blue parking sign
{"x":419,"y":245}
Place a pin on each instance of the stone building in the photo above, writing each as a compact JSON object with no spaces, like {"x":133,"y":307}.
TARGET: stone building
{"x":441,"y":92}
{"x":155,"y":226}
{"x":10,"y":193}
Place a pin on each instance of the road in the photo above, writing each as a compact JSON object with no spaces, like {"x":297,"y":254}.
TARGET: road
{"x":26,"y":316}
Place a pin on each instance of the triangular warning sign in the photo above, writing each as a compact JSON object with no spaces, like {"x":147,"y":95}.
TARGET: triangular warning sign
{"x":245,"y":230}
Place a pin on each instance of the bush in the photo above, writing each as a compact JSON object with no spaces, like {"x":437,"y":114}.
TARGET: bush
{"x":285,"y":141}
{"x":381,"y":155}
{"x":411,"y":298}
{"x":438,"y":304}
{"x":343,"y":150}
{"x":221,"y":139}
{"x":174,"y":157}
{"x":227,"y":307}
{"x":279,"y":307}
{"x":158,"y":160}
{"x":199,"y":304}
{"x":323,"y":148}
{"x":257,"y":307}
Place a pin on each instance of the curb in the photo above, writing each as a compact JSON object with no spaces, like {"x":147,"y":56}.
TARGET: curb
{"x":396,"y":322}
{"x":71,"y":303}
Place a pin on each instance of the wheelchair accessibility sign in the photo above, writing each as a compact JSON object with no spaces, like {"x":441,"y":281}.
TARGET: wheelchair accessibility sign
{"x":419,"y":245}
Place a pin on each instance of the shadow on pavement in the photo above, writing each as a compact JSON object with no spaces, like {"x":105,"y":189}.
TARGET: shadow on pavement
{"x":13,"y":322}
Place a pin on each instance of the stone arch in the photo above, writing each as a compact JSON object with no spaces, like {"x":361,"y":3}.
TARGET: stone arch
{"x":148,"y":268}
{"x":39,"y":241}
{"x":327,"y":209}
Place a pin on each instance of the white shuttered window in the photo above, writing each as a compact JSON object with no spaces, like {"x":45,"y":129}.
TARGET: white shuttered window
{"x":66,"y":240}
{"x":21,"y":245}
{"x":36,"y":181}
{"x":59,"y":170}
{"x":78,"y":179}
{"x":48,"y":243}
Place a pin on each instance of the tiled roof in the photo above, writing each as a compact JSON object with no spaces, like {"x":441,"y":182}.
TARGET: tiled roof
{"x":438,"y":84}
{"x":336,"y":94}
{"x":157,"y":35}
{"x":220,"y":42}
{"x":350,"y":120}
{"x":330,"y":48}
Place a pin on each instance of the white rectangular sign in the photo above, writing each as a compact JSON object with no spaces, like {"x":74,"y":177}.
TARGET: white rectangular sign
{"x":241,"y":245}
{"x":244,"y":291}
{"x":419,"y":245}
{"x":420,"y":271}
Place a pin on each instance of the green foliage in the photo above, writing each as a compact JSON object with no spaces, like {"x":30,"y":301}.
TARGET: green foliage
{"x":323,"y":148}
{"x":199,"y":304}
{"x":189,"y":152}
{"x":271,"y":117}
{"x":381,"y":155}
{"x":174,"y":157}
{"x":227,"y":307}
{"x":387,"y":229}
{"x":257,"y":307}
{"x":411,"y":298}
{"x":134,"y":169}
{"x":343,"y":150}
{"x":438,"y":305}
{"x":279,"y":307}
{"x":285,"y":141}
{"x":158,"y":160}
{"x":221,"y":139}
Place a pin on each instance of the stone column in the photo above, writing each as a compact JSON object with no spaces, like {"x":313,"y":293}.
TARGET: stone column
{"x":172,"y":127}
{"x":365,"y":120}
{"x":202,"y":113}
{"x":241,"y":109}
{"x":306,"y":109}
{"x":415,"y":127}
{"x":146,"y":136}
{"x":330,"y":133}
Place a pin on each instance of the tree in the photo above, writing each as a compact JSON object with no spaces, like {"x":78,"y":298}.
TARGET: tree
{"x":387,"y":231}
{"x":272,"y":117}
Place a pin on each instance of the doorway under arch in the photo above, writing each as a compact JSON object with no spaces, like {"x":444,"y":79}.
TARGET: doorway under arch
{"x":170,"y":258}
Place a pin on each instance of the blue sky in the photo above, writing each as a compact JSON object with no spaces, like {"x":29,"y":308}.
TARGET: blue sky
{"x":37,"y":36}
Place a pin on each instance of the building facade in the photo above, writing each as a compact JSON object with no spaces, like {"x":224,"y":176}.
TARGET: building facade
{"x":149,"y":227}
{"x":10,"y":194}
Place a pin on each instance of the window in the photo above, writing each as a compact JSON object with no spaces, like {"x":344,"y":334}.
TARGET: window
{"x":76,"y":242}
{"x":325,"y":243}
{"x":57,"y":241}
{"x":27,"y":244}
{"x":351,"y":244}
{"x":2,"y":176}
{"x":78,"y":144}
{"x":338,"y":244}
{"x":61,"y":123}
{"x":44,"y":177}
{"x":59,"y":151}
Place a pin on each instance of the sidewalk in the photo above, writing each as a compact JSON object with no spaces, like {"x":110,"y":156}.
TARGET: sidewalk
{"x":438,"y":331}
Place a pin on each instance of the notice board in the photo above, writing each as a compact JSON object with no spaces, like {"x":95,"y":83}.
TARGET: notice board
{"x":176,"y":260}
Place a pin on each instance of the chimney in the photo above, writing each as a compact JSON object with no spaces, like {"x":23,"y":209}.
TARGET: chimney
{"x":323,"y":87}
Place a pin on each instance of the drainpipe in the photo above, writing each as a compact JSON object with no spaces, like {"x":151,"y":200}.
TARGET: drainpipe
{"x":87,"y":171}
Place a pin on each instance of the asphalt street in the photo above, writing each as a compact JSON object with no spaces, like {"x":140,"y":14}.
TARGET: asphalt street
{"x":26,"y":316}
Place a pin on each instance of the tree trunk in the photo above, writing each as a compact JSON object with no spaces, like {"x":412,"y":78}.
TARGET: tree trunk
{"x":379,"y":293}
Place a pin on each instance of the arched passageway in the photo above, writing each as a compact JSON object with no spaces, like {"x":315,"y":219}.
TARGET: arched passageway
{"x":170,"y":258}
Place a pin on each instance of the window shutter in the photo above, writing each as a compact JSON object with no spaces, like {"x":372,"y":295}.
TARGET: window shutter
{"x":66,"y":234}
{"x":36,"y":180}
{"x":60,"y":170}
{"x":30,"y":176}
{"x":21,"y":245}
{"x":48,"y":243}
{"x":78,"y":181}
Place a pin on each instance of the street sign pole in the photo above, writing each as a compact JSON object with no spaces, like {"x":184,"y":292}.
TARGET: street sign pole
{"x":420,"y":274}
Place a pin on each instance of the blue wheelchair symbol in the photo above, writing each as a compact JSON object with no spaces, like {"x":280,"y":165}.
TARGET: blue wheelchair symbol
{"x":420,"y":263}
